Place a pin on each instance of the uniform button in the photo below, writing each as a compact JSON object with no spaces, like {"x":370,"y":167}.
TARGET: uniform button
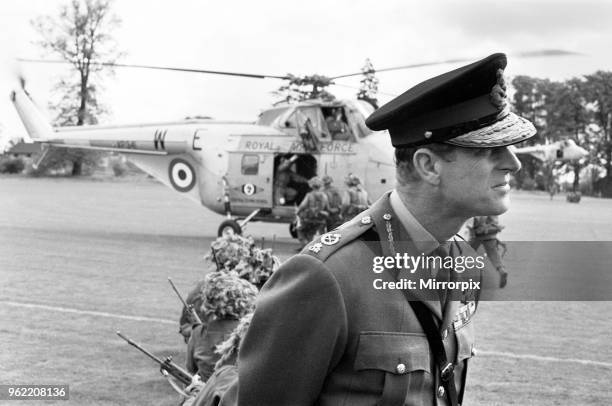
{"x":474,"y":352}
{"x":400,"y":368}
{"x":441,"y":391}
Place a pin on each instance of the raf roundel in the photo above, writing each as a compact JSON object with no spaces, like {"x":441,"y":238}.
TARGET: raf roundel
{"x":248,"y":189}
{"x":182,"y":176}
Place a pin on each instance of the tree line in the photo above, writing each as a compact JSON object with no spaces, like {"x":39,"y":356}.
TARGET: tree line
{"x":579,"y":108}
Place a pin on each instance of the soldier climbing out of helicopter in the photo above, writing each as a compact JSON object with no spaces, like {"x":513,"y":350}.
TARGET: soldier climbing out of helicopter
{"x":284,"y":175}
{"x":313,"y":212}
{"x":484,"y":231}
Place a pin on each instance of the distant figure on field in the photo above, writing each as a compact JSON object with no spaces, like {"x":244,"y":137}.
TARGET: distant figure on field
{"x":484,"y":232}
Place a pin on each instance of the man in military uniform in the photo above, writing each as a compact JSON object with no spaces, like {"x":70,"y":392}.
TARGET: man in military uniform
{"x":285,"y":180}
{"x":226,"y":298}
{"x":484,"y":232}
{"x":334,"y":199}
{"x":313,"y":212}
{"x":322,"y":333}
{"x":338,"y":129}
{"x":355,"y":199}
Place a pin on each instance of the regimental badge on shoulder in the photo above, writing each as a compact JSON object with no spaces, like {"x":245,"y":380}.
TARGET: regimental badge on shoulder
{"x":316,"y":247}
{"x":330,"y":238}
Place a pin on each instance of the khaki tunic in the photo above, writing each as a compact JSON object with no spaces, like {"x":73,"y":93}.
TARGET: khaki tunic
{"x":201,"y":356}
{"x":321,"y":333}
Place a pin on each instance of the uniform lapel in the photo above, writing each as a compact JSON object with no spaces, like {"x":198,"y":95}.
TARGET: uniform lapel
{"x":397,"y":240}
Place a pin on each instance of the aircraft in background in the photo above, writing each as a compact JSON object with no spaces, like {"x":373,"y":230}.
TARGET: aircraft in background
{"x":235,"y":168}
{"x":563,"y":151}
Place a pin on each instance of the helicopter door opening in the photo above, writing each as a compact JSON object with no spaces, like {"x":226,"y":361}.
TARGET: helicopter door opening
{"x":291,"y":174}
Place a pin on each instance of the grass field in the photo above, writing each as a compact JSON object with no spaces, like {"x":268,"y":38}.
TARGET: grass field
{"x":80,"y":259}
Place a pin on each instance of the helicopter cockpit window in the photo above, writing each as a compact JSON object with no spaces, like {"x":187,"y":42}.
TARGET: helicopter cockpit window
{"x":337,"y":124}
{"x":315,"y":118}
{"x":291,"y":121}
{"x":269,"y":117}
{"x":250,"y":164}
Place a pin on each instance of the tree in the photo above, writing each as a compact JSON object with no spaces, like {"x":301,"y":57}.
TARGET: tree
{"x":597,"y":89}
{"x":369,"y":84}
{"x":557,"y":109}
{"x":81,"y":35}
{"x":300,"y":88}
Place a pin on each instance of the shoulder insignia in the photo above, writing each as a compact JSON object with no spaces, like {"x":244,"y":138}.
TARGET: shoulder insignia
{"x":316,"y":247}
{"x":330,"y":242}
{"x":330,"y":238}
{"x":366,"y":220}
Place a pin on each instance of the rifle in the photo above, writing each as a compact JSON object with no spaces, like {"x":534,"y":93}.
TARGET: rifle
{"x":215,"y":258}
{"x":168,"y":368}
{"x":189,"y":307}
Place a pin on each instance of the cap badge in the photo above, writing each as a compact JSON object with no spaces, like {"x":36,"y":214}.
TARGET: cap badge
{"x":387,"y":216}
{"x":366,"y":220}
{"x":330,"y":239}
{"x":427,"y":134}
{"x":498,"y":95}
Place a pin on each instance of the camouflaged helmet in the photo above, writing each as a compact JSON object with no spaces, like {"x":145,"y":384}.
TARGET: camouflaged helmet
{"x":240,"y":254}
{"x":352,"y":180}
{"x":227,"y":296}
{"x":315,"y":183}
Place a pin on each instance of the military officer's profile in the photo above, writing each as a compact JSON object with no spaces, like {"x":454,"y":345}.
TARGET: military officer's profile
{"x":320,"y":333}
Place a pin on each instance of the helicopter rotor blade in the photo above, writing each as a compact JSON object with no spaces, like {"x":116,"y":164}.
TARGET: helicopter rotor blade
{"x":527,"y":54}
{"x":169,"y":68}
{"x":358,"y":88}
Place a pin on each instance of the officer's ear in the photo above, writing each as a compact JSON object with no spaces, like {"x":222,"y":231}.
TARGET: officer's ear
{"x":427,"y":164}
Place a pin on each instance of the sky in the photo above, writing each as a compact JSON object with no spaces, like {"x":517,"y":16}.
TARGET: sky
{"x":299,"y":37}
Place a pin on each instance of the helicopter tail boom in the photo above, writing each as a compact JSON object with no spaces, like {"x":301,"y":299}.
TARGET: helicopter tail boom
{"x":36,"y":124}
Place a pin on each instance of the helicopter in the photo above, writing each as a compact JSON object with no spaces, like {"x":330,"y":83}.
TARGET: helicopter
{"x":559,"y":151}
{"x":231,"y":167}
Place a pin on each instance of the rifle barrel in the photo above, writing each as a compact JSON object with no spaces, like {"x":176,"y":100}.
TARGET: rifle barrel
{"x":133,"y":343}
{"x":189,"y":307}
{"x":177,"y":292}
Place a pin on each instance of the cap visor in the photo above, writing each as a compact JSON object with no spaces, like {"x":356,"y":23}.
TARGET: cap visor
{"x":510,"y":130}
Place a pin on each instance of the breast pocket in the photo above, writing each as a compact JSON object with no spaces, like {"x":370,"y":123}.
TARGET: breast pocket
{"x":403,"y":358}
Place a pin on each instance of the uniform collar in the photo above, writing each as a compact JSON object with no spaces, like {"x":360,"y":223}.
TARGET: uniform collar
{"x":396,"y":238}
{"x":422,"y":239}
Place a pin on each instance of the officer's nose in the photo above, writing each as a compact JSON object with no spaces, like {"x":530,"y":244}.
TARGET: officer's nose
{"x":509,"y":161}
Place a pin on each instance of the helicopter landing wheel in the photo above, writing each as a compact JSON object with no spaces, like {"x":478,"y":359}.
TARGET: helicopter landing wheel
{"x":293,"y":229}
{"x":229,"y":227}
